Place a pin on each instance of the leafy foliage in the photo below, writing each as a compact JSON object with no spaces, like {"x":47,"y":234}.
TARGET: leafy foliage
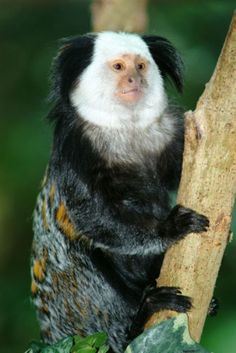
{"x":169,"y":336}
{"x":92,"y":344}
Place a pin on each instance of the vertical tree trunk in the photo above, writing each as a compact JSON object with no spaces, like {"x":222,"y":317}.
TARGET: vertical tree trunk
{"x":119,"y":15}
{"x":208,"y":185}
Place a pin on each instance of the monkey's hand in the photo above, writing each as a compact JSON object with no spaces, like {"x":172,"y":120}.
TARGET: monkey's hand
{"x":182,"y":221}
{"x":156,"y":299}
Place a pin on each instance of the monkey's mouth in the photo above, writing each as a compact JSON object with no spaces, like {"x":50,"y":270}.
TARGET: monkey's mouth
{"x":132,"y":91}
{"x":131,"y":95}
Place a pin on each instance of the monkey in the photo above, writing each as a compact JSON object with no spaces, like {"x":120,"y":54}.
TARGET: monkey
{"x":103,"y":218}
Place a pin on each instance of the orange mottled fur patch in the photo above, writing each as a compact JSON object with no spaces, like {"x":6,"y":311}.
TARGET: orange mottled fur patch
{"x":52,"y":193}
{"x":65,"y":223}
{"x":39,"y":267}
{"x":44,"y":309}
{"x":34,"y":288}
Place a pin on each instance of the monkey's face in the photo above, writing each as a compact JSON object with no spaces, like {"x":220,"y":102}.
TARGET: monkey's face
{"x":122,"y":85}
{"x":129,"y":73}
{"x":116,"y":79}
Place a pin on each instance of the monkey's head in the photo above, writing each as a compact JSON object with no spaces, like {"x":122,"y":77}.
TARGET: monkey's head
{"x":116,"y":79}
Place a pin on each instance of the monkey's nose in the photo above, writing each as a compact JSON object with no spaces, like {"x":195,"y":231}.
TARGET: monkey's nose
{"x":134,"y":80}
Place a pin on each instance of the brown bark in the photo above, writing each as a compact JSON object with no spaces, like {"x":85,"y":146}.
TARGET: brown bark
{"x":208,"y":185}
{"x":119,"y":15}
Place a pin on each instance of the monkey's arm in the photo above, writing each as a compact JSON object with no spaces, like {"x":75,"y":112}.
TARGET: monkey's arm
{"x":111,"y":205}
{"x":141,"y":235}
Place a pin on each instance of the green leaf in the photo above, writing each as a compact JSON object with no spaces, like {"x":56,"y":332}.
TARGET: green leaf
{"x":89,"y":340}
{"x":81,"y":345}
{"x":50,"y":349}
{"x":30,"y":350}
{"x":36,"y":347}
{"x":100,"y":339}
{"x":169,"y":336}
{"x":94,"y":341}
{"x":86,"y":350}
{"x":103,"y":349}
{"x":63,"y":346}
{"x":91,"y":344}
{"x":78,"y":339}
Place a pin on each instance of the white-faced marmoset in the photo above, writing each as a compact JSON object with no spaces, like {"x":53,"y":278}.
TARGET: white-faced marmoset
{"x":103,"y":219}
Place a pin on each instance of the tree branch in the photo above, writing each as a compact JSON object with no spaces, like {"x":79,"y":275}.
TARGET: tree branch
{"x":119,"y":15}
{"x":208,"y":185}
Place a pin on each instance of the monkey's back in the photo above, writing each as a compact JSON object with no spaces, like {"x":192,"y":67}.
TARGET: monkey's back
{"x":70,"y":294}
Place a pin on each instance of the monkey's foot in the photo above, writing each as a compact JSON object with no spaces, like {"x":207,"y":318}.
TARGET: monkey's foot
{"x":166,"y":298}
{"x":156,"y":299}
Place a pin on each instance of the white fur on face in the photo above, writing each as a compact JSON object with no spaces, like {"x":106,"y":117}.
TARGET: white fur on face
{"x":94,"y":96}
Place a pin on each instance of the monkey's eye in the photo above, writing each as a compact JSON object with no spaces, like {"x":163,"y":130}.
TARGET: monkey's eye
{"x":118,"y":66}
{"x":141,"y":66}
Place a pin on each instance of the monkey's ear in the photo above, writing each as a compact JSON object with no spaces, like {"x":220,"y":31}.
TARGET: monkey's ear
{"x":167,"y":59}
{"x":73,"y":57}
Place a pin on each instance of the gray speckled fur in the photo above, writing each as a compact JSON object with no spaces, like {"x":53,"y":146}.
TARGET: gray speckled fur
{"x":68,"y":261}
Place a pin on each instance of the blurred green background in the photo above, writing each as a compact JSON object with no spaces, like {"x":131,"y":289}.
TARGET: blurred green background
{"x":29,"y":30}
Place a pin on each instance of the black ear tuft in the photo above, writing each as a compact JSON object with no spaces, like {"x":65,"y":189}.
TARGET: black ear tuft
{"x":167,"y":59}
{"x":73,"y":57}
